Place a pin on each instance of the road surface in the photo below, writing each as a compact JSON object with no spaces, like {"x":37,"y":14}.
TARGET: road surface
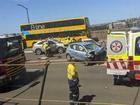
{"x":97,"y":87}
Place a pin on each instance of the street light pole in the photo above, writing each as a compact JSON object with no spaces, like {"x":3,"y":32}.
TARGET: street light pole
{"x":26,"y":11}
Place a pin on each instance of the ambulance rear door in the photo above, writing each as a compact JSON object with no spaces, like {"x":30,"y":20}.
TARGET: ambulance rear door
{"x":117,"y":53}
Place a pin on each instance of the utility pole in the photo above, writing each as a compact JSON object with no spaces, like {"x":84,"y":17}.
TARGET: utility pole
{"x":26,"y":11}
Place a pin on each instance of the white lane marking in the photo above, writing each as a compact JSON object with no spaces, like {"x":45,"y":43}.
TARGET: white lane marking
{"x":59,"y":101}
{"x":28,"y":51}
{"x":33,"y":69}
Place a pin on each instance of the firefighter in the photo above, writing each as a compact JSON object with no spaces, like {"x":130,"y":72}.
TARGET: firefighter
{"x":46,"y":47}
{"x":73,"y":81}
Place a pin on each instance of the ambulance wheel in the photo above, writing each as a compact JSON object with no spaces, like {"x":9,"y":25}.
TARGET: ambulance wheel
{"x":115,"y":80}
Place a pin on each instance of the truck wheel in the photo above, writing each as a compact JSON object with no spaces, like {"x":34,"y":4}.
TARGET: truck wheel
{"x":38,"y":51}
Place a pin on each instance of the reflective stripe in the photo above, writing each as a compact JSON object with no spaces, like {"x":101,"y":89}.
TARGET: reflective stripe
{"x":110,"y":64}
{"x":123,"y":64}
{"x":114,"y":64}
{"x":117,"y":64}
{"x":117,"y":72}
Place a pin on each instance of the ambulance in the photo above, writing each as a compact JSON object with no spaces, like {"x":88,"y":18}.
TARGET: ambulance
{"x":123,"y":55}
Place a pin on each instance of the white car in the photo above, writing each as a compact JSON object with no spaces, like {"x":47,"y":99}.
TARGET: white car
{"x":56,"y":47}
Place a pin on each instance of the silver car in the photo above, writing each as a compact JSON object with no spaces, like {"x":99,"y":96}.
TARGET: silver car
{"x":85,"y":51}
{"x":56,"y":47}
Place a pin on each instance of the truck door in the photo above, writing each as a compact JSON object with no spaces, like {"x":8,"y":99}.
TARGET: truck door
{"x":117,"y":54}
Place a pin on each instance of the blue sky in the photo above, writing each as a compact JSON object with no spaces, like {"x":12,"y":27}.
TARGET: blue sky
{"x":98,"y":11}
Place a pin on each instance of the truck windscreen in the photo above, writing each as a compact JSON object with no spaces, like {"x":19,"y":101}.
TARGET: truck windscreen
{"x":10,"y":47}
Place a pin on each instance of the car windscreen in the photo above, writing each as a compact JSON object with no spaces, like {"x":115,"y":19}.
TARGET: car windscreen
{"x":57,"y":41}
{"x":10,"y":46}
{"x":92,"y":46}
{"x":92,"y":41}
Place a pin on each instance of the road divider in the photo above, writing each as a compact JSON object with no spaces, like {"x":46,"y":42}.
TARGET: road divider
{"x":50,"y":61}
{"x":28,"y":52}
{"x":59,"y":101}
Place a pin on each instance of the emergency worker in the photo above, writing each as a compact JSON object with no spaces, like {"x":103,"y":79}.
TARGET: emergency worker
{"x":67,"y":40}
{"x":73,"y":81}
{"x":46,"y":47}
{"x":24,"y":44}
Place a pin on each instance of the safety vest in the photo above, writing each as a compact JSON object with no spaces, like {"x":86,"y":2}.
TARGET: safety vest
{"x":123,"y":53}
{"x":72,"y":72}
{"x":45,"y":45}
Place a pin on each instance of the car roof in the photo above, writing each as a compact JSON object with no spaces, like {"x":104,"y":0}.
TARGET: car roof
{"x":87,"y":39}
{"x":81,"y":43}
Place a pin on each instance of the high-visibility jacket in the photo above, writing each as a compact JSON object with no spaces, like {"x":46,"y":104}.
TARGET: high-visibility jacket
{"x":72,"y":72}
{"x":45,"y":45}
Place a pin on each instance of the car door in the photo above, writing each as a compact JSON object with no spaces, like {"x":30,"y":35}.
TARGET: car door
{"x":81,"y":52}
{"x":52,"y":45}
{"x":38,"y":45}
{"x":72,"y":50}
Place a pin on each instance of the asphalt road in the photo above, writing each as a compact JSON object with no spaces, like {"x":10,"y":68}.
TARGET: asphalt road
{"x":97,"y":87}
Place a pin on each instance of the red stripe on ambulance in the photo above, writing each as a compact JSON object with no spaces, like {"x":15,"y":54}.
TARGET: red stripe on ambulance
{"x":117,"y":64}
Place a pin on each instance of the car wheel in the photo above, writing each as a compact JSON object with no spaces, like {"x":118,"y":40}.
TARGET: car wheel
{"x":68,"y":57}
{"x":38,"y":51}
{"x":86,"y":63}
{"x":60,"y":50}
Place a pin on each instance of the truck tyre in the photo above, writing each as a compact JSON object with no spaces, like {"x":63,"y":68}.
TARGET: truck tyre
{"x":38,"y":52}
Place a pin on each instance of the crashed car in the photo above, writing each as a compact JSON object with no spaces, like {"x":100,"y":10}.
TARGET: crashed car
{"x":99,"y":43}
{"x":85,"y":51}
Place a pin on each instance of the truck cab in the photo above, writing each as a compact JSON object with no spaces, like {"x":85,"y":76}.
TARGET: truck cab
{"x":11,"y":52}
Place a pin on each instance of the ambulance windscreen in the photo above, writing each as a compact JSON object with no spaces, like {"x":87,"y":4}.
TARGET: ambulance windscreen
{"x":137,"y":46}
{"x":10,"y":46}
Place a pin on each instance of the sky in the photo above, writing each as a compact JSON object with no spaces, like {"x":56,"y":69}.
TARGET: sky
{"x":98,"y":11}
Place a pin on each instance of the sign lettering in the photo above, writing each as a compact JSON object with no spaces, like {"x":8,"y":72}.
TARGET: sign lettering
{"x":37,"y":26}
